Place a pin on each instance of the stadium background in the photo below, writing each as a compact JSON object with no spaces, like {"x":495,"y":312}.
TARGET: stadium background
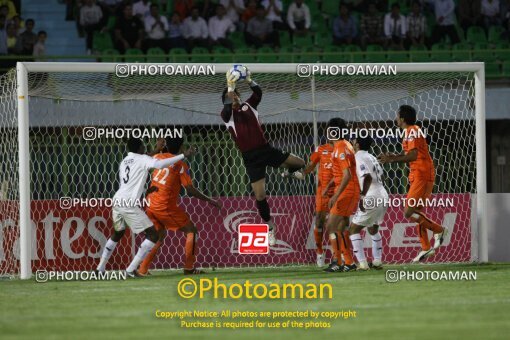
{"x":387,"y":311}
{"x":479,"y":40}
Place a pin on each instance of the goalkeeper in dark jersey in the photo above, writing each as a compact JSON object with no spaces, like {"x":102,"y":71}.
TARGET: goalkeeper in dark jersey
{"x":242,"y":121}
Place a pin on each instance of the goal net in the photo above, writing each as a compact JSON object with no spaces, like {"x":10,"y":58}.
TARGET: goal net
{"x":79,"y":121}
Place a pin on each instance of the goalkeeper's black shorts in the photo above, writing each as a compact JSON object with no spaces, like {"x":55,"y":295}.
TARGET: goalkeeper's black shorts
{"x":257,"y":160}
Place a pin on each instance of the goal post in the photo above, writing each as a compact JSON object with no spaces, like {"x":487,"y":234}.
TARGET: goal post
{"x":317,"y":101}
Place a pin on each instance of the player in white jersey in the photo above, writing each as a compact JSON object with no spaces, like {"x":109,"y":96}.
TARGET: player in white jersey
{"x":133,"y":172}
{"x":372,"y":205}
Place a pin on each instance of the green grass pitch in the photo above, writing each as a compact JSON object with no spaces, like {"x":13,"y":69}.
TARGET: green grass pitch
{"x":126,"y":309}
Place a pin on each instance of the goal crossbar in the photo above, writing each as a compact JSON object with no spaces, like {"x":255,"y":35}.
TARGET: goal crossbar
{"x":24,"y":68}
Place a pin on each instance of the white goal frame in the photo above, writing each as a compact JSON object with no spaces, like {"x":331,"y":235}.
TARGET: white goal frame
{"x":23,"y":69}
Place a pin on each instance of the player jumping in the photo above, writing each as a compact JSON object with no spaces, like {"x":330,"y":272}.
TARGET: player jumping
{"x":163,"y":209}
{"x":242,"y":121}
{"x":421,"y":179}
{"x":344,"y":201}
{"x":133,"y":172}
{"x":322,"y":157}
{"x":369,"y":173}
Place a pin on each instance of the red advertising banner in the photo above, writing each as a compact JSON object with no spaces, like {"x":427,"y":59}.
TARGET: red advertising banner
{"x":72,"y":238}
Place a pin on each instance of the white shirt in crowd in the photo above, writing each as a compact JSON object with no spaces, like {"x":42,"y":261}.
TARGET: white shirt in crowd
{"x":490,"y":9}
{"x":271,"y":15}
{"x":296,"y":14}
{"x":156,"y":32}
{"x":139,"y":8}
{"x":195,"y":29}
{"x":218,"y":28}
{"x":231,"y":12}
{"x":445,"y":9}
{"x":394,"y":27}
{"x":90,"y":15}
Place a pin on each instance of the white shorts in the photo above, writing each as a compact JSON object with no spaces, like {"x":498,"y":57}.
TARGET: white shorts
{"x":134,"y":217}
{"x":370,"y":217}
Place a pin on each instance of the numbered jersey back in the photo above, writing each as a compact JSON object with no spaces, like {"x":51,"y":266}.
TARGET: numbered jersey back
{"x":367,"y":164}
{"x":133,"y":172}
{"x":168,"y":182}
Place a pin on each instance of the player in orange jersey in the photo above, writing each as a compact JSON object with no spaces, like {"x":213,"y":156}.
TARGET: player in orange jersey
{"x":163,"y":210}
{"x":322,"y":157}
{"x":345,"y":199}
{"x":421,"y":179}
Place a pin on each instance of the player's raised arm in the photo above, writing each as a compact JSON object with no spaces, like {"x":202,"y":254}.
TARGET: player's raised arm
{"x":256,"y":96}
{"x":226,"y":99}
{"x":400,"y":158}
{"x":165,"y":163}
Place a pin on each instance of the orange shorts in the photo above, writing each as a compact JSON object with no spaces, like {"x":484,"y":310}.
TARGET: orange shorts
{"x":346,"y":205}
{"x":171,"y":219}
{"x":419,"y":191}
{"x":321,"y":202}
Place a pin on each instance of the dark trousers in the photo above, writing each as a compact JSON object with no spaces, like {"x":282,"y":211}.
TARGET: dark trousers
{"x":196,"y":42}
{"x":177,"y":42}
{"x":440,"y":32}
{"x":221,"y":42}
{"x":89,"y":31}
{"x":161,"y":43}
{"x":272,"y":38}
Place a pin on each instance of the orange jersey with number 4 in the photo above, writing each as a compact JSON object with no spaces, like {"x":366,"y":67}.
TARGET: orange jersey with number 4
{"x":322,"y":156}
{"x":343,"y":158}
{"x":168,"y":181}
{"x":423,"y":167}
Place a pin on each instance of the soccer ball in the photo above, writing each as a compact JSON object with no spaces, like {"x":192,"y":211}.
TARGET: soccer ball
{"x":238,"y":73}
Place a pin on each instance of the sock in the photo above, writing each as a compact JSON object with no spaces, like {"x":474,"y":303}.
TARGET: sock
{"x":376,"y":246}
{"x":264,"y":212}
{"x":426,"y":222}
{"x":144,"y":249}
{"x":345,"y":247}
{"x":335,"y":245}
{"x":317,"y":233}
{"x":357,"y":246}
{"x":190,"y":251}
{"x":424,"y":237}
{"x":107,"y":252}
{"x":147,"y":261}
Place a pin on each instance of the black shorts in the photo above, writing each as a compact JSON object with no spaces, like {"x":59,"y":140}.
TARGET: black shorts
{"x":256,"y":161}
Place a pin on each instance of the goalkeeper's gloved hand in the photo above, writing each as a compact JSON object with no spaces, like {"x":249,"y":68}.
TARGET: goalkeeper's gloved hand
{"x":248,"y":76}
{"x":231,"y":82}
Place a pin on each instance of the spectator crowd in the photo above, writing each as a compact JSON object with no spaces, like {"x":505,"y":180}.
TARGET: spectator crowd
{"x":187,"y":24}
{"x":167,"y":24}
{"x":18,"y":36}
